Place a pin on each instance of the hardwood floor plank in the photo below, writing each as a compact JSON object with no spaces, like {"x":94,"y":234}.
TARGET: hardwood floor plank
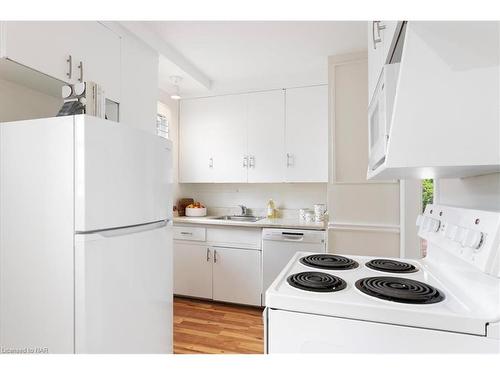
{"x":208,"y":327}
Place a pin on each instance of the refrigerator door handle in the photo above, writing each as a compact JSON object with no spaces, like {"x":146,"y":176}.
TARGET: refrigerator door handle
{"x":130,"y":229}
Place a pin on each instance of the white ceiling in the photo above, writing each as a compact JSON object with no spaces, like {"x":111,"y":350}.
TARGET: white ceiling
{"x":255,"y":55}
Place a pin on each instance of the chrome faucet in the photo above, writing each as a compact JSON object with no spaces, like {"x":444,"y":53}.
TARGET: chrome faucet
{"x":244,"y":210}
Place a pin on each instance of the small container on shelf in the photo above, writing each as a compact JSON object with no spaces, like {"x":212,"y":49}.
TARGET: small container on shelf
{"x":319,"y":212}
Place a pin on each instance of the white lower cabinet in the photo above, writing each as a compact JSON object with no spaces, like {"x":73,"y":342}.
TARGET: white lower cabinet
{"x":236,"y":275}
{"x":192,"y":270}
{"x":205,"y":269}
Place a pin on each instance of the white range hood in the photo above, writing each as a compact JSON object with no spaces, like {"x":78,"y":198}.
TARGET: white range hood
{"x":446,"y":118}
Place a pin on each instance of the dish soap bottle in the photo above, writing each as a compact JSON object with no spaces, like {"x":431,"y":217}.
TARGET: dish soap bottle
{"x":271,"y":209}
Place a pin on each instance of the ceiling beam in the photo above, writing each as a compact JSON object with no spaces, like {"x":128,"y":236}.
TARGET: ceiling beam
{"x":151,"y":38}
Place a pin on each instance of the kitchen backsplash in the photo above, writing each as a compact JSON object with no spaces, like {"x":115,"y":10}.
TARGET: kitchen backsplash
{"x":224,"y":198}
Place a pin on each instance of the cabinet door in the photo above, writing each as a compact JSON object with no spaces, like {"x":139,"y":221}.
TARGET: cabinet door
{"x":307,"y":134}
{"x":98,"y":48}
{"x":375,"y":55}
{"x":228,"y":138}
{"x":266,"y":136}
{"x":192,"y":270}
{"x":195,"y":156}
{"x":389,"y":34}
{"x":237,"y":275}
{"x":42,"y":45}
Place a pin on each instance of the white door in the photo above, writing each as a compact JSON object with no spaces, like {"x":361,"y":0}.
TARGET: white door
{"x":237,"y":275}
{"x":195,"y":142}
{"x":192,"y":270}
{"x":228,"y":139}
{"x":266,"y":136}
{"x":121,"y":175}
{"x":307,"y":134}
{"x":98,"y":49}
{"x":123,"y":290}
{"x":45,"y":46}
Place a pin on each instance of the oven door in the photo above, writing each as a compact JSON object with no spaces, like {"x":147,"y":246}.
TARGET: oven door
{"x":377,"y":127}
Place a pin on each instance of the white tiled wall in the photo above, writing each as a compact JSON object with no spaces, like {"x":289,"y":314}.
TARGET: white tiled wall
{"x":286,"y":196}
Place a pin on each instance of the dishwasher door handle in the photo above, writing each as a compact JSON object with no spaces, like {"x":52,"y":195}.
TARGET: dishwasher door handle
{"x":290,"y":236}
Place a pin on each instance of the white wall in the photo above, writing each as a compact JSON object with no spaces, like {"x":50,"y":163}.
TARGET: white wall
{"x":481,"y":192}
{"x":170,"y":109}
{"x":364,"y":215}
{"x":21,"y":103}
{"x":255,"y":196}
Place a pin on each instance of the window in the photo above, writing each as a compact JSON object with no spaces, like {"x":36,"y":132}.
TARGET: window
{"x":162,"y":126}
{"x":427,"y":198}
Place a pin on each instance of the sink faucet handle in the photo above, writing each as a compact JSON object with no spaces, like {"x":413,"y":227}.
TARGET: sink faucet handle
{"x":243,"y":209}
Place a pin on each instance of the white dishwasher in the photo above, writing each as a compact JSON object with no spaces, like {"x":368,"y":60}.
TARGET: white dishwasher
{"x":278,"y":247}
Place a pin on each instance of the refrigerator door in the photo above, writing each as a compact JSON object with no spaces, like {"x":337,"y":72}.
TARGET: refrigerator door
{"x":123,"y":290}
{"x":122,"y":175}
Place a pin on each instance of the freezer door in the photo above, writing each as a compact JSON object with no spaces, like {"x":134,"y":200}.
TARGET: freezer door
{"x":123,"y":290}
{"x":122,"y":175}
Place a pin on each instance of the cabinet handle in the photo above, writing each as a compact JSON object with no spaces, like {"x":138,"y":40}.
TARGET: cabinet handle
{"x":379,"y":38}
{"x":80,"y":66}
{"x":252,"y":162}
{"x":215,"y":256}
{"x":245,"y":161}
{"x":210,"y":162}
{"x":69,"y":60}
{"x":288,"y":160}
{"x":187,"y":233}
{"x":208,"y":254}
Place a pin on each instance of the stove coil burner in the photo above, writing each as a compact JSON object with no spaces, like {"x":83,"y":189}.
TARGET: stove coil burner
{"x":329,"y":262}
{"x":399,"y":289}
{"x":316,"y":282}
{"x":389,"y":265}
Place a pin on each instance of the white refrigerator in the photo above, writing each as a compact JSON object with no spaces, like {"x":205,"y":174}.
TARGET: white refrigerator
{"x":85,"y":237}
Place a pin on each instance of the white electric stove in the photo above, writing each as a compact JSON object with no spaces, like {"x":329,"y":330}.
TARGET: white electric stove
{"x":448,"y":301}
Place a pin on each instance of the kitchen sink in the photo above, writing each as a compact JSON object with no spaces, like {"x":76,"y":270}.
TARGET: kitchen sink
{"x":246,"y":218}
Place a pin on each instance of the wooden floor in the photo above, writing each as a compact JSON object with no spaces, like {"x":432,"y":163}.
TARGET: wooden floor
{"x":213,"y":327}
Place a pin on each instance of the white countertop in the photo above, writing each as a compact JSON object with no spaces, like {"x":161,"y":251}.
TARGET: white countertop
{"x":263,"y":223}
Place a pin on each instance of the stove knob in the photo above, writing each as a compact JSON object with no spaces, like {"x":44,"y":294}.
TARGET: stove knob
{"x":472,"y":239}
{"x":434,"y":225}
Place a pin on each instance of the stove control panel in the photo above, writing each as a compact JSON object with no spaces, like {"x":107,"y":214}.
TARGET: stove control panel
{"x":471,"y":235}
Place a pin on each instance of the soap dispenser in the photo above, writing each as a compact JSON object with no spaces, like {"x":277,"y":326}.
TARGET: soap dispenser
{"x":271,"y":209}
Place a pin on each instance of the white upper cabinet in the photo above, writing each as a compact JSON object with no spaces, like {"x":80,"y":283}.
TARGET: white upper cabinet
{"x":382,"y":36}
{"x":44,"y":46}
{"x":99,"y":57}
{"x":246,"y":138}
{"x":445,"y":121}
{"x":213,"y":139}
{"x":266,"y":136}
{"x":66,"y":50}
{"x":228,"y":138}
{"x":195,"y":141}
{"x":307,"y":134}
